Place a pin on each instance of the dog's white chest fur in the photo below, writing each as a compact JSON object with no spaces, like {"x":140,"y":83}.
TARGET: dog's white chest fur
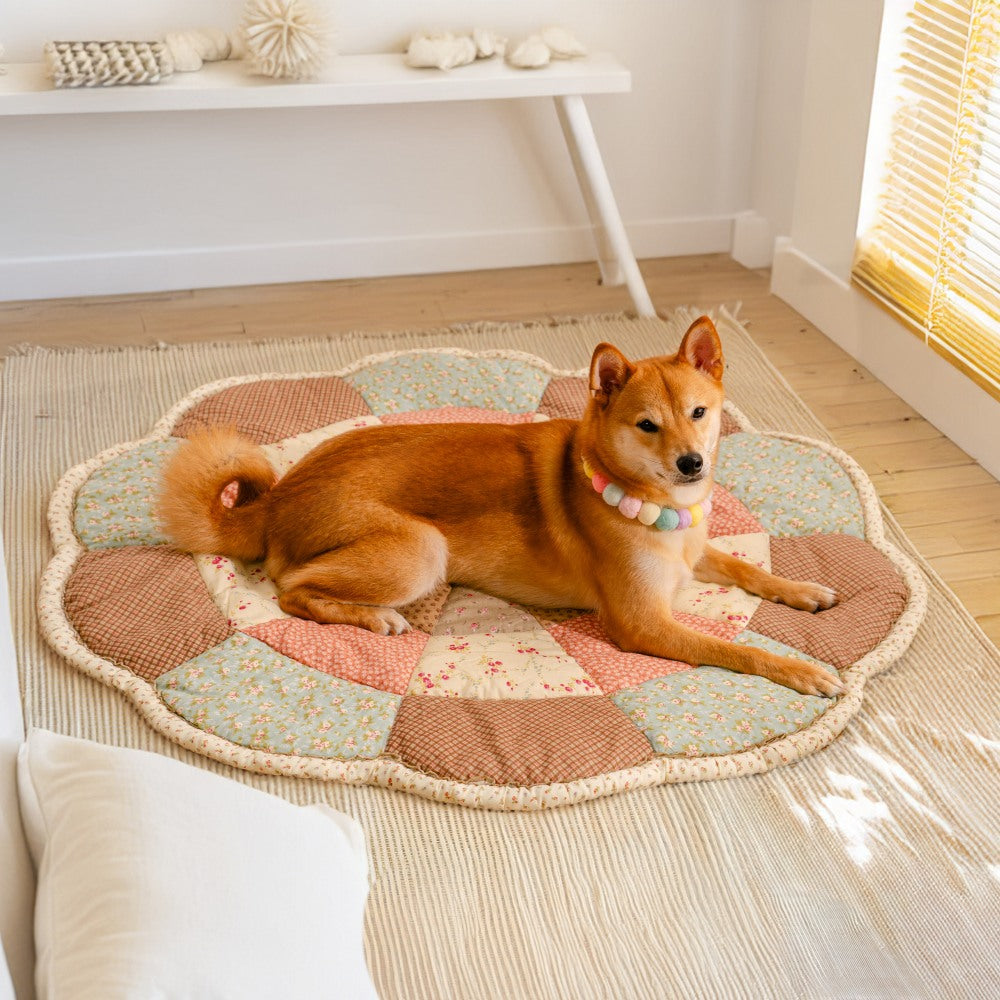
{"x":664,"y":565}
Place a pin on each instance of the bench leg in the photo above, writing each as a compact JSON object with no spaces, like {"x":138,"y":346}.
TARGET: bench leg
{"x":615,"y":257}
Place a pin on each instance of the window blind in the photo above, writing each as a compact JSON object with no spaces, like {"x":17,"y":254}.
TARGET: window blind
{"x":932,"y":250}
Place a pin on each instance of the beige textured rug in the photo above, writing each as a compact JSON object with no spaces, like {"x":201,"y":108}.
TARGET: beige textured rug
{"x":870,"y":868}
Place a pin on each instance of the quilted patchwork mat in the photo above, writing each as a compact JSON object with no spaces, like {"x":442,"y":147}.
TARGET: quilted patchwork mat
{"x":483,"y":703}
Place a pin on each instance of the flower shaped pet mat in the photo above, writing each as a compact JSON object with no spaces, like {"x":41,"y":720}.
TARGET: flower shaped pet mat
{"x":484,"y":703}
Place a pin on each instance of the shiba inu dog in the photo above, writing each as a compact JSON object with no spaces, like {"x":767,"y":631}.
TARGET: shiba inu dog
{"x":605,"y":513}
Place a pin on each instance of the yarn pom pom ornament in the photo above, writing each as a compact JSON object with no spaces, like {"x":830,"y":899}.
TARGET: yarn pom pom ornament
{"x":285,"y":39}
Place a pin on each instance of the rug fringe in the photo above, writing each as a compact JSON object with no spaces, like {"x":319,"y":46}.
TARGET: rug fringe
{"x":479,"y":327}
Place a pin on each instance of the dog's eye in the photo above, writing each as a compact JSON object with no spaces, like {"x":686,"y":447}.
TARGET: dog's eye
{"x":648,"y":426}
{"x":699,"y":412}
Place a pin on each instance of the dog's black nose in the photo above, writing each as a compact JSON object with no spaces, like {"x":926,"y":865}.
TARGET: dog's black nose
{"x":690,"y":464}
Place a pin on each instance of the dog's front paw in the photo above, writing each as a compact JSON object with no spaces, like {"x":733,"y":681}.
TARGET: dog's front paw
{"x":809,"y":678}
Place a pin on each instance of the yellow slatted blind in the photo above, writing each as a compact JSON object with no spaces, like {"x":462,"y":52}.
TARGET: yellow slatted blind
{"x":932,"y":250}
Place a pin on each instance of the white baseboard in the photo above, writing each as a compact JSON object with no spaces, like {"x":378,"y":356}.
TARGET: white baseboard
{"x":753,"y":241}
{"x":935,"y":389}
{"x":211,"y":267}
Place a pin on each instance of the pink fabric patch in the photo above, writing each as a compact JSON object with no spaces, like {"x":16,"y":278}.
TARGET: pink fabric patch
{"x":384,"y":662}
{"x":586,"y":641}
{"x":730,"y":516}
{"x":458,"y":415}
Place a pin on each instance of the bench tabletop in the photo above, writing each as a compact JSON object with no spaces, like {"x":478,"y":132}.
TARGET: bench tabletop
{"x":381,"y":78}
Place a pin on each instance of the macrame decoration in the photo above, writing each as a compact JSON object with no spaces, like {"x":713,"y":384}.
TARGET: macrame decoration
{"x":277,"y":38}
{"x":114,"y":63}
{"x":106,"y":64}
{"x":284,"y":39}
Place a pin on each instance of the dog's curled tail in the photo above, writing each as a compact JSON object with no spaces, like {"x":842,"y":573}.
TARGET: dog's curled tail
{"x":210,"y":495}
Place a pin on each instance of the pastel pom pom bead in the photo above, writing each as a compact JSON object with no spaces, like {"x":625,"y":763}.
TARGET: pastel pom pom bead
{"x":613,"y":494}
{"x":668,"y":519}
{"x":630,"y":506}
{"x":599,"y":482}
{"x":588,"y":469}
{"x":684,"y":518}
{"x":648,"y":513}
{"x":696,"y":514}
{"x":706,"y":506}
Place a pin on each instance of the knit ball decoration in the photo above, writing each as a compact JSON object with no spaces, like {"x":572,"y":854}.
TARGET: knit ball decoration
{"x":284,"y":39}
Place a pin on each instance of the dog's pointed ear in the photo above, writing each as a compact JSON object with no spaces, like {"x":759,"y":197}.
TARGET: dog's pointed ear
{"x":702,"y":349}
{"x":609,"y":371}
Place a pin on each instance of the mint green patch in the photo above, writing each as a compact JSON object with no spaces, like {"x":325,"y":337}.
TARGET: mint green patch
{"x":245,"y":692}
{"x":431,"y":381}
{"x":710,"y":711}
{"x":748,"y":638}
{"x":116,"y":505}
{"x":791,"y":488}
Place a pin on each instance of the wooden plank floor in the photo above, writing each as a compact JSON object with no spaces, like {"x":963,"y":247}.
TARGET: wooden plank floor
{"x":948,"y":505}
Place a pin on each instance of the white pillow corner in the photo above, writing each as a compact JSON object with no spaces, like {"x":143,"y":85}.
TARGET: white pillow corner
{"x":142,"y":858}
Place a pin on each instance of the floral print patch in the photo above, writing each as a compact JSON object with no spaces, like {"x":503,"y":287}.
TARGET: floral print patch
{"x":245,"y":692}
{"x":789,"y":486}
{"x":243,"y":592}
{"x":709,"y":710}
{"x":117,"y":504}
{"x":285,"y":453}
{"x":383,"y":662}
{"x":470,"y":612}
{"x":499,"y":666}
{"x":426,"y":381}
{"x":731,"y":605}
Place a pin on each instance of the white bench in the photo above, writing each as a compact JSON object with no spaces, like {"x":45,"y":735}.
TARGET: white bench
{"x":380,"y":79}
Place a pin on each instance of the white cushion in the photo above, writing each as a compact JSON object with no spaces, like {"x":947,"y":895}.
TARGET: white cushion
{"x":157,"y":879}
{"x":6,"y":986}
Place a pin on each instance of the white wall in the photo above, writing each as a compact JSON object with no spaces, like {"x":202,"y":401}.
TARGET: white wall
{"x":99,"y":204}
{"x":812,"y":266}
{"x":777,"y":116}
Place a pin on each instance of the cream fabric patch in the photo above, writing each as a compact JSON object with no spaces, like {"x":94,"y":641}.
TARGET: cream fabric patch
{"x":470,"y":612}
{"x":285,"y":453}
{"x":499,"y":665}
{"x":243,"y":592}
{"x":730,"y":605}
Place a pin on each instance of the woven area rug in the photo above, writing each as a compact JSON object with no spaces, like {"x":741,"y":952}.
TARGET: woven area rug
{"x":484,"y":703}
{"x":867,"y":868}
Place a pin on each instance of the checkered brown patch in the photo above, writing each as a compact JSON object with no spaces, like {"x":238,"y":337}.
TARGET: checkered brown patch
{"x":515,"y":742}
{"x":424,"y":613}
{"x":729,"y":425}
{"x":145,"y":609}
{"x":871,"y":595}
{"x":565,"y":397}
{"x":272,"y":409}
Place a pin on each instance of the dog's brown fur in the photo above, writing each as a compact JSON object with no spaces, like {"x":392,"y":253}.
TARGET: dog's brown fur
{"x":376,"y":518}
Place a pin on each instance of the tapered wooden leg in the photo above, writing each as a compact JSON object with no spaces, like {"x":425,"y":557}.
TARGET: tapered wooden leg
{"x":614,"y":253}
